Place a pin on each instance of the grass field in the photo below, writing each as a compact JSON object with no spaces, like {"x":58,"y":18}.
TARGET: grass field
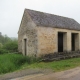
{"x":56,"y":65}
{"x":12,"y":62}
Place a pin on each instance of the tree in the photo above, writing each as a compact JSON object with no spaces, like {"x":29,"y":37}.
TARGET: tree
{"x":11,"y":46}
{"x":4,"y":39}
{"x":1,"y":45}
{"x":8,"y":44}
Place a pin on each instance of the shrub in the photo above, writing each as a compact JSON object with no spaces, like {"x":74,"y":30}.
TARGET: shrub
{"x":11,"y":46}
{"x":1,"y":45}
{"x":10,"y":62}
{"x":32,"y":59}
{"x":3,"y":51}
{"x":18,"y":60}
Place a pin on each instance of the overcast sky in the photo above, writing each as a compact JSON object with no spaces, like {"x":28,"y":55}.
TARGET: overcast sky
{"x":11,"y":11}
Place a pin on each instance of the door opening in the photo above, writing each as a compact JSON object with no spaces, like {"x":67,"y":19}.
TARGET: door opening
{"x":73,"y":42}
{"x":25,"y":46}
{"x":60,"y":42}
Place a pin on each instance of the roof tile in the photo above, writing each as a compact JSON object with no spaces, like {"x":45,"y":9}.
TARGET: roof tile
{"x":51,"y":20}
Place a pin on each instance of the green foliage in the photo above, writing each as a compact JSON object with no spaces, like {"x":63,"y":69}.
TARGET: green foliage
{"x":3,"y":51}
{"x":8,"y":44}
{"x":11,"y":46}
{"x":1,"y":45}
{"x":11,"y":62}
{"x":4,"y":39}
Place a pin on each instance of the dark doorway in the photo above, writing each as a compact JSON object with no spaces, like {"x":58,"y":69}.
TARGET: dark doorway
{"x":25,"y":46}
{"x":60,"y":42}
{"x":73,"y":41}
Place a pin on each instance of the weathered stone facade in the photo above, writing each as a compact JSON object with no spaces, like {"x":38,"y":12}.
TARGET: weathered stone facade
{"x":36,"y":40}
{"x":48,"y":40}
{"x":27,"y":31}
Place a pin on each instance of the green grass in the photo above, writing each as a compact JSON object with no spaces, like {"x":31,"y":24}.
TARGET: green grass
{"x":12,"y":62}
{"x":56,"y":65}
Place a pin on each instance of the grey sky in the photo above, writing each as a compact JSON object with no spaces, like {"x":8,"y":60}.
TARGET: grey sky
{"x":11,"y":11}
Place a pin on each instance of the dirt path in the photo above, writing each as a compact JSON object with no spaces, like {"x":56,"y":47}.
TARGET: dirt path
{"x":23,"y":73}
{"x":37,"y":74}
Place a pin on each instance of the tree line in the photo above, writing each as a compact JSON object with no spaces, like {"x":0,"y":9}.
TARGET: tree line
{"x":8,"y":44}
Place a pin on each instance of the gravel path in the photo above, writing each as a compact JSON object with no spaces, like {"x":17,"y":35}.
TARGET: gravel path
{"x":38,"y":74}
{"x":23,"y":73}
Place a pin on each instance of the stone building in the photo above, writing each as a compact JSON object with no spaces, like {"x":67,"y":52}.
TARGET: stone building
{"x":42,"y":33}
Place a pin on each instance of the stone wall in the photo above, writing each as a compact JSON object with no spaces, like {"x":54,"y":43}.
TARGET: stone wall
{"x":27,"y":31}
{"x":48,"y":40}
{"x":68,"y":39}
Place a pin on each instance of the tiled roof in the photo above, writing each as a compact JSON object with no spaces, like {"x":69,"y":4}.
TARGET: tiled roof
{"x":51,"y":20}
